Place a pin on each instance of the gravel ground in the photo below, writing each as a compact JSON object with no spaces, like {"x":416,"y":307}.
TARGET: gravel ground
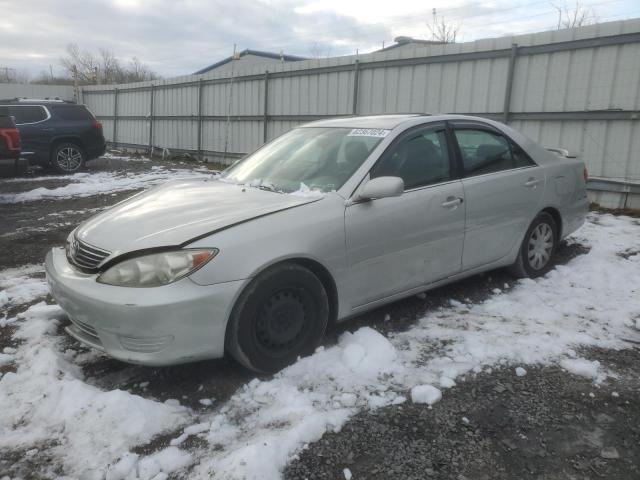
{"x":495,"y":425}
{"x":545,"y":425}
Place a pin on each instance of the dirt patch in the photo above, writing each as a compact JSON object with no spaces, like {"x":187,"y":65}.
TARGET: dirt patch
{"x":547,"y":424}
{"x":628,"y":212}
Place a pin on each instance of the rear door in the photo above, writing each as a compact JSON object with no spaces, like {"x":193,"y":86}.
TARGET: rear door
{"x":31,"y":120}
{"x":502,"y":187}
{"x":395,"y":244}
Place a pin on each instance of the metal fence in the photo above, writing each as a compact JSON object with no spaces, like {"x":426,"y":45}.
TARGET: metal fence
{"x":13,"y":90}
{"x":576,"y":88}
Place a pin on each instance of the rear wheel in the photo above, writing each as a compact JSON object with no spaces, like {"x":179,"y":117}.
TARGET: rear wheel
{"x":536,"y":252}
{"x":281,"y":315}
{"x":67,"y":158}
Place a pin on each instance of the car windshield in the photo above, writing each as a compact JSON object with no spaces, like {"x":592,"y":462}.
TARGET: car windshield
{"x":315,"y":158}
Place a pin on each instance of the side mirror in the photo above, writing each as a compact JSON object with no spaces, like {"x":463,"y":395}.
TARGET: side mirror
{"x":381,"y":187}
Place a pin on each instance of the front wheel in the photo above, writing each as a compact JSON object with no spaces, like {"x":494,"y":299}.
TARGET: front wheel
{"x":537,"y":249}
{"x":280,"y":316}
{"x":67,"y":158}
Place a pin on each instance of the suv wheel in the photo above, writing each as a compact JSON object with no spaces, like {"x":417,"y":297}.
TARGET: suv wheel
{"x":67,"y":158}
{"x":280,"y":316}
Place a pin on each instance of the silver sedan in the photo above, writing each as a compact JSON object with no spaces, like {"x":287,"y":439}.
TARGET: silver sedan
{"x":329,"y":220}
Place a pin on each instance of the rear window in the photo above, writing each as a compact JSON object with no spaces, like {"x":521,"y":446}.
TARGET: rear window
{"x":73,"y":113}
{"x":27,"y":113}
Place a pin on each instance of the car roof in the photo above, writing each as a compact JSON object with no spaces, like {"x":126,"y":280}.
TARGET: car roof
{"x":35,"y":101}
{"x":389,"y":122}
{"x":386,"y":122}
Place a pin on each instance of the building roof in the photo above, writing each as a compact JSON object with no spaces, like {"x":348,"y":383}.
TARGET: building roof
{"x":257,"y":53}
{"x":402,"y":41}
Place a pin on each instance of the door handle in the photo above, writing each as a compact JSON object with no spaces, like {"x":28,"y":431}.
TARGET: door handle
{"x":452,"y":202}
{"x":532,"y":183}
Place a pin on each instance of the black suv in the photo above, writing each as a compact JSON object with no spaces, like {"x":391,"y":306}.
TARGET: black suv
{"x":55,"y":133}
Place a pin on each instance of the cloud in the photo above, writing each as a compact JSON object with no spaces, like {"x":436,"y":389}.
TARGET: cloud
{"x":177,"y":37}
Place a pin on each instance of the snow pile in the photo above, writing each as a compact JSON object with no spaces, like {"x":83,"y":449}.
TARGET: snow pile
{"x":425,"y":394}
{"x":114,"y":156}
{"x":17,"y":285}
{"x":305,"y":191}
{"x":86,"y":184}
{"x":520,"y":372}
{"x":46,"y":401}
{"x":581,"y":367}
{"x":154,"y":467}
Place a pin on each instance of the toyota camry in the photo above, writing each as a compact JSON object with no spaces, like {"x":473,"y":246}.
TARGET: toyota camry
{"x":327,"y":221}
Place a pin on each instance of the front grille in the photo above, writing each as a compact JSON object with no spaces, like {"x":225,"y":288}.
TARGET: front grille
{"x":84,"y":255}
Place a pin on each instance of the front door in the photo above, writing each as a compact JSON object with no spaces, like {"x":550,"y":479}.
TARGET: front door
{"x":396,"y":244}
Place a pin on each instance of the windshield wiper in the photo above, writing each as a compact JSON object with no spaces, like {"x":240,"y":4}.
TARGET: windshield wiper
{"x":268,"y":188}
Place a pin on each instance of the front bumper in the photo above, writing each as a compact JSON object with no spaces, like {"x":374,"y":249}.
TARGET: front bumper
{"x":176,"y":323}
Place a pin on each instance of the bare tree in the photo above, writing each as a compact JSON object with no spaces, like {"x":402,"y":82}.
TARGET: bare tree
{"x":441,"y":30}
{"x":316,"y":51}
{"x":575,"y":15}
{"x":103,"y":67}
{"x":11,"y":75}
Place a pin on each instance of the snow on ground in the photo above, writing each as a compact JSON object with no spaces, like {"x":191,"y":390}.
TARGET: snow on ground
{"x":86,"y":184}
{"x":46,"y":401}
{"x":17,"y":285}
{"x":592,"y":301}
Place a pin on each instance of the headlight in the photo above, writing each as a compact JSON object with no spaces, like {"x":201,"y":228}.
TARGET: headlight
{"x":156,"y":269}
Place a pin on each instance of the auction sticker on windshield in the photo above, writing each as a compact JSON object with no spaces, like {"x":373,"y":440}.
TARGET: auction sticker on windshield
{"x":368,"y":132}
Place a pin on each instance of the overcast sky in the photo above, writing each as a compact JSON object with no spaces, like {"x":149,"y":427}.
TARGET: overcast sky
{"x":177,"y":37}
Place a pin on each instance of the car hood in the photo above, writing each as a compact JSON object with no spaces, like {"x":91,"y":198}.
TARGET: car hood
{"x":180,"y":211}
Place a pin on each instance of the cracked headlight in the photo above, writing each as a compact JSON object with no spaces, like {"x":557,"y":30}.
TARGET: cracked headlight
{"x":156,"y":269}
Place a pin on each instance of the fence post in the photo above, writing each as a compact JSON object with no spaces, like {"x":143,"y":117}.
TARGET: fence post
{"x":115,"y":117}
{"x":509,"y":86}
{"x":356,"y":76}
{"x":200,"y":119}
{"x":151,"y":120}
{"x":265,"y":111}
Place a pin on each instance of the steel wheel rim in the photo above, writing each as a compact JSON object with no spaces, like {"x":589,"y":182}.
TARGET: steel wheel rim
{"x":540,"y":246}
{"x":280,"y":324}
{"x":69,"y":158}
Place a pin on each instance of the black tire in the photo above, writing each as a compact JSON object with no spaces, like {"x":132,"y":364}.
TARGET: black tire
{"x":281,"y":315}
{"x":67,"y":158}
{"x":535,"y":257}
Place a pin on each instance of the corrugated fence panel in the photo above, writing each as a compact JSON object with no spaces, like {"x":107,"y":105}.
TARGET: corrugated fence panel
{"x":180,"y":134}
{"x":13,"y":90}
{"x":100,"y":103}
{"x":133,"y":131}
{"x":587,"y":94}
{"x":175,"y":101}
{"x":136,"y":103}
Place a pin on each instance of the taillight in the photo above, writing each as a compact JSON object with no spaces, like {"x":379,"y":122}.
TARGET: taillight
{"x":98,"y":125}
{"x":11,"y":138}
{"x":585,"y":174}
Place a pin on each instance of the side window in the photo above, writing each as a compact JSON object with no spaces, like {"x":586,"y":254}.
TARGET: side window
{"x":487,"y":152}
{"x":520,"y":157}
{"x":73,"y":112}
{"x":420,"y":159}
{"x":27,"y":113}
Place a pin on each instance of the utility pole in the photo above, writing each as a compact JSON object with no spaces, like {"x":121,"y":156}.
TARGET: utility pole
{"x":76,"y":97}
